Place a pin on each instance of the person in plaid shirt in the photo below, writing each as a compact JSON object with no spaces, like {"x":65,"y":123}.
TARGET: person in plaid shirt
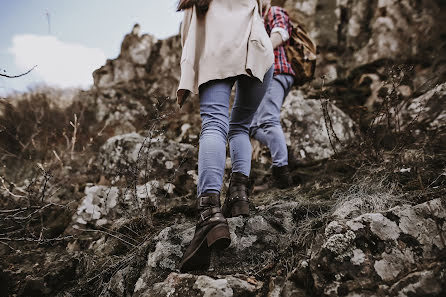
{"x":265,"y":126}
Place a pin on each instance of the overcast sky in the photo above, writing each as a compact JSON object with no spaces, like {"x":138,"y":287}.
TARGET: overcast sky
{"x":68,"y":39}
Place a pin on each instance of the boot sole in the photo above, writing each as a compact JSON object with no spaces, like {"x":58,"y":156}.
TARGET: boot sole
{"x":217,"y":238}
{"x":198,"y":259}
{"x":239,"y":208}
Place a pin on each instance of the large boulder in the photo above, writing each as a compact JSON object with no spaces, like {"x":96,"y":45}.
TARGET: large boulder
{"x":399,"y":252}
{"x":313,"y":131}
{"x":139,"y":159}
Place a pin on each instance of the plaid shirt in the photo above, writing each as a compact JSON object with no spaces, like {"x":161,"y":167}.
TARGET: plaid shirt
{"x":278,"y":17}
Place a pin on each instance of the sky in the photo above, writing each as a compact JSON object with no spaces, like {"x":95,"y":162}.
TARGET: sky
{"x":68,"y":39}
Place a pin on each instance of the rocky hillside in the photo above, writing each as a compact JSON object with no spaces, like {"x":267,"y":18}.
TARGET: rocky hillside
{"x":97,"y":198}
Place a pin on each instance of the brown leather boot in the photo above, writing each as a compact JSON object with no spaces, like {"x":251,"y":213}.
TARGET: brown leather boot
{"x":211,"y":232}
{"x":282,"y":177}
{"x":236,"y":202}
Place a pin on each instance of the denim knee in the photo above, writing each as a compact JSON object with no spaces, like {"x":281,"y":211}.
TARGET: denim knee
{"x":215,"y":128}
{"x":270,"y":124}
{"x":237,"y":130}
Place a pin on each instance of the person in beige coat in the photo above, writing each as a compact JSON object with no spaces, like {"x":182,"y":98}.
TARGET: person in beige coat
{"x":224,"y":43}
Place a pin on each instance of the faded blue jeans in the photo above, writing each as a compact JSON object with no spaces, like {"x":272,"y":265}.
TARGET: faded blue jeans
{"x":265,"y":126}
{"x":217,"y":127}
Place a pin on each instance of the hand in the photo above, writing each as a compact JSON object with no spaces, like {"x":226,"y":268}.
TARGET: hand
{"x":185,"y":4}
{"x":202,"y":5}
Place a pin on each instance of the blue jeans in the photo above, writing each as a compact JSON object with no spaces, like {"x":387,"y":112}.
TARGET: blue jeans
{"x":217,"y":127}
{"x":265,"y":126}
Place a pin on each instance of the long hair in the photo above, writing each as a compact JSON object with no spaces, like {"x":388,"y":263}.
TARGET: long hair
{"x":201,"y":5}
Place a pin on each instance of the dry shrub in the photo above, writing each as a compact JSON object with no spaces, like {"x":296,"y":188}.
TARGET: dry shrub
{"x":33,"y":125}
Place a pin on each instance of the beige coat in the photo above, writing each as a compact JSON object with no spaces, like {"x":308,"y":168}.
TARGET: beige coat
{"x":229,"y":40}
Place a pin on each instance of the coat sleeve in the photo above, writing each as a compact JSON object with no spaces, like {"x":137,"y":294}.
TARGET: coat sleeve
{"x":185,"y":24}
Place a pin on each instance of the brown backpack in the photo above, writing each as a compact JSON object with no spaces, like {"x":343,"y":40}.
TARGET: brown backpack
{"x":301,"y":54}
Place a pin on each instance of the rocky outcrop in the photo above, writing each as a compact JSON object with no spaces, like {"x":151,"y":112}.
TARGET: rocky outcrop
{"x":121,"y":115}
{"x":155,"y":63}
{"x":363,"y":32}
{"x":361,"y":41}
{"x":375,"y":30}
{"x":130,"y":64}
{"x":358,"y":41}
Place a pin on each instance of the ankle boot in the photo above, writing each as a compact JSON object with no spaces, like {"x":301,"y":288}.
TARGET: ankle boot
{"x":236,"y":202}
{"x":281,"y":176}
{"x":211,"y":232}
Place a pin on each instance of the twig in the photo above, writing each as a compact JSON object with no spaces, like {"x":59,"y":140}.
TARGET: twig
{"x":17,"y":209}
{"x":37,"y":210}
{"x":58,"y":158}
{"x":126,"y":236}
{"x":8,"y":191}
{"x":328,"y":122}
{"x":4,"y":243}
{"x":109,"y":234}
{"x":27,"y":239}
{"x":73,"y":139}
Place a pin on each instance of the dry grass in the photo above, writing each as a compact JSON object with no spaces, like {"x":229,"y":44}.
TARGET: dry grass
{"x":368,"y":194}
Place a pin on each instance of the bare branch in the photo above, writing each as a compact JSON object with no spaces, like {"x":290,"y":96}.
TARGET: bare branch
{"x":19,"y":75}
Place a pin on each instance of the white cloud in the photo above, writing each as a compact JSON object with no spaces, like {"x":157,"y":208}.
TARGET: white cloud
{"x":58,"y":63}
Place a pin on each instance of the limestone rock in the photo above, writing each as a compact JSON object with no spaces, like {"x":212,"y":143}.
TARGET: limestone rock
{"x":306,"y":129}
{"x":102,"y":205}
{"x":427,"y":110}
{"x":377,"y":252}
{"x":142,"y":159}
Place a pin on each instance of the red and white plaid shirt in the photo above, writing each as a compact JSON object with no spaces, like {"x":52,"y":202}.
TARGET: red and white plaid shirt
{"x":278,"y":18}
